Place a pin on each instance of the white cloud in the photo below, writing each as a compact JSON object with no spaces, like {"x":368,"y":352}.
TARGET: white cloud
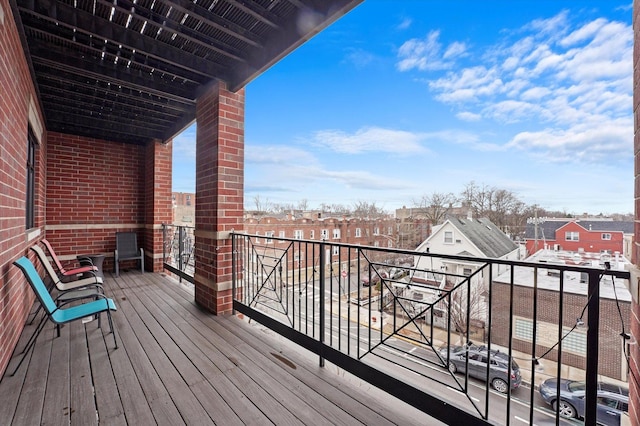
{"x":405,"y":24}
{"x":425,"y":54}
{"x":468,"y":116}
{"x":277,"y":155}
{"x":572,"y":81}
{"x":370,"y":139}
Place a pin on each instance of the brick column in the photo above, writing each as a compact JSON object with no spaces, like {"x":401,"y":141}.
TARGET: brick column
{"x":219,"y":193}
{"x":634,"y":355}
{"x":158,"y":206}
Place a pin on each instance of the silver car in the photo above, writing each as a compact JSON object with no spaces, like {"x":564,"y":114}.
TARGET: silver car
{"x":613,"y":400}
{"x":500,"y":373}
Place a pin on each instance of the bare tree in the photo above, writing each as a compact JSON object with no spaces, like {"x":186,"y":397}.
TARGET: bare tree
{"x":467,"y":305}
{"x":262,"y":206}
{"x":303,"y":204}
{"x":366,"y":209}
{"x":436,"y":206}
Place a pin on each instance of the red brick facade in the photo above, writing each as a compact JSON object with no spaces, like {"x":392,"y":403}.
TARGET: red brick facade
{"x":634,"y":409}
{"x":573,"y":237}
{"x":85,"y":189}
{"x":17,"y":101}
{"x":610,"y":354}
{"x":220,"y":193}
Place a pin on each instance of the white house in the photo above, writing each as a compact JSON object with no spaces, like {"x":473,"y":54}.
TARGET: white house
{"x":463,"y":237}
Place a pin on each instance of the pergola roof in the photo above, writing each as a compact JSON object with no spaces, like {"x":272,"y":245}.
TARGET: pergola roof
{"x":131,"y":70}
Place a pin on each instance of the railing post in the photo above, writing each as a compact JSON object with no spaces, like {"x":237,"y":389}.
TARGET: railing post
{"x":164,"y":244}
{"x":322,"y":307}
{"x":593,"y":323}
{"x":180,"y":246}
{"x":234,"y":272}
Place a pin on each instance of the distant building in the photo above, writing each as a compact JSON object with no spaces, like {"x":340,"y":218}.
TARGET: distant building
{"x":584,"y":235}
{"x":615,"y":306}
{"x":184,"y":208}
{"x":465,"y":237}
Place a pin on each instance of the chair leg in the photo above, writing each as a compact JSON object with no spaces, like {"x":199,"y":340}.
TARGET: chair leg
{"x":142,"y":264}
{"x":113,"y":330}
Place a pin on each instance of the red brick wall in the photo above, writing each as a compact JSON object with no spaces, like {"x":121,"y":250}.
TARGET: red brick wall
{"x":634,"y":410}
{"x":94,"y":188}
{"x":219,"y":191}
{"x":548,"y":303}
{"x":16,"y":92}
{"x":158,"y":200}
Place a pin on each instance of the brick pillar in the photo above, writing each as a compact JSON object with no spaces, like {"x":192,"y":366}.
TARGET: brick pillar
{"x":158,"y":207}
{"x":219,"y":193}
{"x":634,"y":356}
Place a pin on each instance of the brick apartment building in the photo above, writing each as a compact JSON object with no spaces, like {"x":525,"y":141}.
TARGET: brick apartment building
{"x":405,"y":232}
{"x":615,"y":303}
{"x":588,"y":235}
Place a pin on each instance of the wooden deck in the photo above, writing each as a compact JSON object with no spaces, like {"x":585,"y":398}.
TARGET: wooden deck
{"x":179,"y":365}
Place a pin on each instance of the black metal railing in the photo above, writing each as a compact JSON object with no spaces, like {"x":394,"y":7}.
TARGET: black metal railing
{"x":178,"y":243}
{"x":396,"y":319}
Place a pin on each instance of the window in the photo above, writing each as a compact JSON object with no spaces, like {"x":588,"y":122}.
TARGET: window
{"x":257,"y":237}
{"x":376,"y":231}
{"x":466,"y":272}
{"x":324,"y":234}
{"x":281,"y":234}
{"x":31,"y":180}
{"x":376,"y":243}
{"x":312,"y":234}
{"x":358,"y":232}
{"x":389,"y":230}
{"x":389,"y":243}
{"x":572,"y":236}
{"x":448,"y":237}
{"x":606,"y":236}
{"x":188,"y":200}
{"x":336,"y":234}
{"x":575,"y":341}
{"x":298,"y":234}
{"x":335,"y":250}
{"x":269,"y":235}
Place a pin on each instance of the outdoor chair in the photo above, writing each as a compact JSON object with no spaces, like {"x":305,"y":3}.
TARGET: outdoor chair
{"x":68,"y":291}
{"x":68,"y":273}
{"x":57,"y":313}
{"x":127,"y":249}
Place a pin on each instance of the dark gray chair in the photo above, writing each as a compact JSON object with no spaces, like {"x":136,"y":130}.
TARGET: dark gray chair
{"x":127,"y":249}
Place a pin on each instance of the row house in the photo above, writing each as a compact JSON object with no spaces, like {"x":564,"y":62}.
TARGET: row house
{"x":579,"y":235}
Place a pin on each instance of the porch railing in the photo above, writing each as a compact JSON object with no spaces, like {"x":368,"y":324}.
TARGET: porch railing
{"x":178,"y":243}
{"x":388,"y":317}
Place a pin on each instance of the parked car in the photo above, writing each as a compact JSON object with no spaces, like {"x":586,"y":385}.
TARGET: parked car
{"x":500,"y":372}
{"x":613,"y":400}
{"x":375,"y":277}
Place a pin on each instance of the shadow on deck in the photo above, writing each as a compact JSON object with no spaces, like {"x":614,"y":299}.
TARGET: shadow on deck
{"x":177,"y":364}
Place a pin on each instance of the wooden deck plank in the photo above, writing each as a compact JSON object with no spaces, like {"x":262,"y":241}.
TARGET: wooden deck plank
{"x":83,"y":407}
{"x":309,"y":408}
{"x":11,"y":386}
{"x":155,"y":346}
{"x":57,"y":398}
{"x":218,"y":396}
{"x":108,"y":399}
{"x":304,"y":411}
{"x":177,"y":364}
{"x":369,"y":408}
{"x":136,"y":407}
{"x":156,"y":395}
{"x":29,"y":408}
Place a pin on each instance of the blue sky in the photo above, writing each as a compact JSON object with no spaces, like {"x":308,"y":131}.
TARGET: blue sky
{"x":400,"y":99}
